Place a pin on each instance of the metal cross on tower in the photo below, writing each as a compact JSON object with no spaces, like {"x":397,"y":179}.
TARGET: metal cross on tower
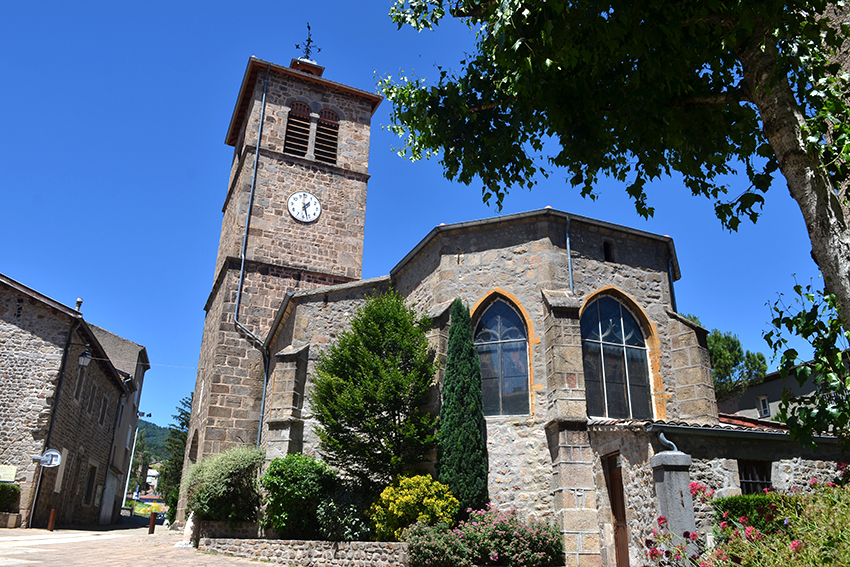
{"x":308,"y":45}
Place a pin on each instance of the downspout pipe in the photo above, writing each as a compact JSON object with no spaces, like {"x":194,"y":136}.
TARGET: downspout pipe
{"x":670,"y":278}
{"x":258,"y":341}
{"x":570,"y":258}
{"x":56,"y":399}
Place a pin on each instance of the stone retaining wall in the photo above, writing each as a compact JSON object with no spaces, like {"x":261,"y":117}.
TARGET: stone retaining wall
{"x":311,"y":553}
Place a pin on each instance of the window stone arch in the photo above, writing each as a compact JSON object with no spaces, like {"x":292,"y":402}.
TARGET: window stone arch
{"x":501,"y":338}
{"x":616,"y":359}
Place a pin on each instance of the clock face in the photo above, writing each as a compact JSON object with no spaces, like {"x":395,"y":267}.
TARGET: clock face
{"x":304,"y":206}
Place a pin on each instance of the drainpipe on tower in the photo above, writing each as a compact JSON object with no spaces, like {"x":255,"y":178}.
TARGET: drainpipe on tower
{"x":261,"y":346}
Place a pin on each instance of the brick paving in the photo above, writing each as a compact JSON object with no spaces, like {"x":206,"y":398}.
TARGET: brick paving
{"x":122,"y":545}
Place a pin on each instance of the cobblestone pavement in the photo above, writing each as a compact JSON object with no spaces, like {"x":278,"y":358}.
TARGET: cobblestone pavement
{"x":122,"y":546}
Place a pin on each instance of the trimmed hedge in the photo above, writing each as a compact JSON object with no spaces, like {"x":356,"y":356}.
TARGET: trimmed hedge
{"x":10,"y":495}
{"x":755,"y":507}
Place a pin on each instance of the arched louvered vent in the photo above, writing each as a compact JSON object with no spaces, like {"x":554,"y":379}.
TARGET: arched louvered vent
{"x":297,"y":130}
{"x":327,"y":135}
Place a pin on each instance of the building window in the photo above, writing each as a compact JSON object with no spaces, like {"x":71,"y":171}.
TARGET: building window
{"x":502,"y":344}
{"x":90,"y":480}
{"x":297,"y":138}
{"x":608,"y":251}
{"x":616,"y":369}
{"x":102,"y":415}
{"x":81,"y":377}
{"x":763,"y":406}
{"x":327,"y":134}
{"x":92,"y":396}
{"x":754,"y":475}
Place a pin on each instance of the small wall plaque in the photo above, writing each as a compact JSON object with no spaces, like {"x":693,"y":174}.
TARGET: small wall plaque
{"x":8,"y":473}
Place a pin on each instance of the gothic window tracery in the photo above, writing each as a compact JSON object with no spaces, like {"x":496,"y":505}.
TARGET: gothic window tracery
{"x":501,"y":340}
{"x":616,"y":368}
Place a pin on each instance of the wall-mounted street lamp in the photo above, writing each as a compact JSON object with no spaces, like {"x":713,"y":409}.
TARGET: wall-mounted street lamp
{"x":85,"y":358}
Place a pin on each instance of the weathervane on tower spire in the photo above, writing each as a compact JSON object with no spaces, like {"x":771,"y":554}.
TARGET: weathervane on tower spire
{"x":308,"y":45}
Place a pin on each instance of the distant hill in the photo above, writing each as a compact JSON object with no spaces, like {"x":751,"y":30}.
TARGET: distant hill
{"x":154,"y":439}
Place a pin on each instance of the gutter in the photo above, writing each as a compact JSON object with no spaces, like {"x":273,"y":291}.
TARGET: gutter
{"x":261,"y":346}
{"x":696,"y":430}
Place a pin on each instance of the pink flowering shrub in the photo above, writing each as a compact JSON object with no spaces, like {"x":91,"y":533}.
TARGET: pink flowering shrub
{"x":667,"y":549}
{"x":702,"y":492}
{"x":489,"y":537}
{"x":802,"y":530}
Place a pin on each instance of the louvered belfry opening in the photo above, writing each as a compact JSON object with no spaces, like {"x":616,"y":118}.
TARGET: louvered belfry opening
{"x":297,"y":130}
{"x":327,"y":134}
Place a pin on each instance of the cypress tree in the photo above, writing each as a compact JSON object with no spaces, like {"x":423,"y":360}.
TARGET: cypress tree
{"x":462,"y":443}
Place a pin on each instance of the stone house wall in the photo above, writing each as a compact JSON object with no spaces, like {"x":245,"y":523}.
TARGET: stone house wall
{"x":32,"y":339}
{"x":83,"y":432}
{"x":34,"y":389}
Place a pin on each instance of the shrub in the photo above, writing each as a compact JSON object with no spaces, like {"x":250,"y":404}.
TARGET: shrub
{"x":754,"y":507}
{"x":224,"y":486}
{"x":368,"y":393}
{"x":489,"y":537}
{"x":342,"y":516}
{"x":295,"y":486}
{"x":436,"y":546}
{"x":10,"y":495}
{"x":411,"y":499}
{"x":813,"y":531}
{"x":462,"y":443}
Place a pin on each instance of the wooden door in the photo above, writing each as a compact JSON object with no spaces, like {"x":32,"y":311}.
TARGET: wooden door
{"x":618,"y":509}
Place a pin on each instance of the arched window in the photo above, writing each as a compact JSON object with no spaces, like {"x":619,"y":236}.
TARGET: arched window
{"x":327,"y":132}
{"x":502,"y":344}
{"x":193,"y":448}
{"x":616,"y":372}
{"x":297,"y":139}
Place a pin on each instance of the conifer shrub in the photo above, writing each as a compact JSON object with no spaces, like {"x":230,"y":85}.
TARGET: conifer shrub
{"x":369,"y":391}
{"x":461,"y":441}
{"x":411,"y":499}
{"x":10,"y":496}
{"x":295,"y":486}
{"x":224,"y":486}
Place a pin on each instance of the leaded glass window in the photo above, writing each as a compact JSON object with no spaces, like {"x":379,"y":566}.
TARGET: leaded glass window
{"x":616,"y":371}
{"x":502,"y":344}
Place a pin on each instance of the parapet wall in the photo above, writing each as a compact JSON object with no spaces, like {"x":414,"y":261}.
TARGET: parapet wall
{"x":311,"y":553}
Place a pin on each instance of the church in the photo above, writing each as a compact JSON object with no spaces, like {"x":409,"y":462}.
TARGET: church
{"x":598,"y":394}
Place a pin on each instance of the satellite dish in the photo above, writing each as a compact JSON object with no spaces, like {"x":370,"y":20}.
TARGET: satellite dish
{"x":51,"y":458}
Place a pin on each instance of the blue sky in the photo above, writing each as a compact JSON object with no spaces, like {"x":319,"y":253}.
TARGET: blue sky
{"x":112,"y":125}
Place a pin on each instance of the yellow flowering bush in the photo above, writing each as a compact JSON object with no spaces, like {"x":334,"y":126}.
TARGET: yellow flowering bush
{"x":411,"y":499}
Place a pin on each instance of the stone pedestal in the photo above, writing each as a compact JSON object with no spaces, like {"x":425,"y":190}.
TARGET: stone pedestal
{"x":672,"y":489}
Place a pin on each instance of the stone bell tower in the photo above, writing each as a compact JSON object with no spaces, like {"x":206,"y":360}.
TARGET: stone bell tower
{"x":294,"y":217}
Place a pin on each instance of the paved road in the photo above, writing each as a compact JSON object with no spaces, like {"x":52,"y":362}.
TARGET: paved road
{"x":125,"y":545}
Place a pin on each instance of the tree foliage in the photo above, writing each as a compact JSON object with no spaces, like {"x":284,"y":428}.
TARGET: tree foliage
{"x":171,"y":472}
{"x":733,"y":369}
{"x":826,"y":410}
{"x":369,"y":391}
{"x":462,"y":443}
{"x":638,"y":90}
